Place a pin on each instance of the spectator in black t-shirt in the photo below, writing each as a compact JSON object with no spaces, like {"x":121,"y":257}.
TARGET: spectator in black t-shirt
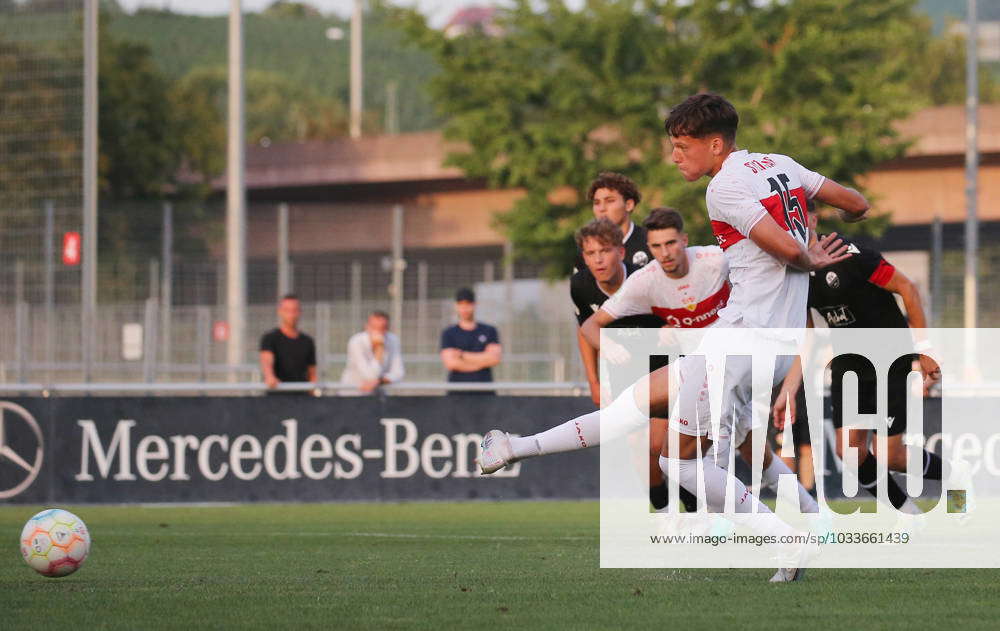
{"x":469,"y":349}
{"x":287,"y":354}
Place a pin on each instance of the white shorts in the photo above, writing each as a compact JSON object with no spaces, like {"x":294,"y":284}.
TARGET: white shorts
{"x":693,"y":415}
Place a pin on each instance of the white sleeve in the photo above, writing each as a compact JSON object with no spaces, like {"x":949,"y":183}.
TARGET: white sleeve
{"x":360,"y":362}
{"x":630,"y":299}
{"x":811,"y":181}
{"x":732,"y":201}
{"x":396,"y":371}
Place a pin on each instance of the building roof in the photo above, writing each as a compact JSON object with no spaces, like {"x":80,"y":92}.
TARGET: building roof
{"x":418,"y":157}
{"x":374,"y":159}
{"x":940,"y":131}
{"x":471,"y":16}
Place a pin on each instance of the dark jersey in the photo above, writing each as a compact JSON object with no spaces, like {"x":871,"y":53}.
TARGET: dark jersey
{"x":587,"y":295}
{"x":852,"y":293}
{"x":474,"y":341}
{"x":292,"y":355}
{"x":588,"y":298}
{"x":636,"y":251}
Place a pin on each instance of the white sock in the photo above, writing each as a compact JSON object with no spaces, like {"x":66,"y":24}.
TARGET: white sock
{"x":750,"y":512}
{"x":579,"y":433}
{"x":623,"y":415}
{"x":769,"y":478}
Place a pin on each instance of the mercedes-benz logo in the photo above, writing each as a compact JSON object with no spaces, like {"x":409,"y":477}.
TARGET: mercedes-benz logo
{"x":30,"y":464}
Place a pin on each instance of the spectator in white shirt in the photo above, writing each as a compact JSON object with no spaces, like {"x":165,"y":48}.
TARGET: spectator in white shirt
{"x":374,"y":356}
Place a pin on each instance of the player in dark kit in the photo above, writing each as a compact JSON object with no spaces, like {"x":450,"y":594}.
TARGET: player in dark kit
{"x":860,"y":292}
{"x":614,"y":197}
{"x":600,"y":245}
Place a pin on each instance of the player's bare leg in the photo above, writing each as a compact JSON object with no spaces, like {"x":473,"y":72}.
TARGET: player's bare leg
{"x":807,"y":476}
{"x":659,"y":495}
{"x":933,"y":467}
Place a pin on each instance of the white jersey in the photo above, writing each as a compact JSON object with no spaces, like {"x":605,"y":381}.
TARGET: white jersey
{"x":693,"y":301}
{"x":766,"y":292}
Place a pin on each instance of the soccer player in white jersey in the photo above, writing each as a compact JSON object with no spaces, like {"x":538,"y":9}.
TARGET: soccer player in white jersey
{"x":757,"y":206}
{"x":687,"y":287}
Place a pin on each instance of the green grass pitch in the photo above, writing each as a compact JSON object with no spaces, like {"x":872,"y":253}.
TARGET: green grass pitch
{"x":436,"y":566}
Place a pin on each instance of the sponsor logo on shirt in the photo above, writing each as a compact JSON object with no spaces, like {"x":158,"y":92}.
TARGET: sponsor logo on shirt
{"x":832,"y":280}
{"x":703,"y":313}
{"x":482,"y":339}
{"x":840,"y":315}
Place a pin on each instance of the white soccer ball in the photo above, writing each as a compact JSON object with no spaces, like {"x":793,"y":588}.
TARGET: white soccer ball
{"x":55,"y":542}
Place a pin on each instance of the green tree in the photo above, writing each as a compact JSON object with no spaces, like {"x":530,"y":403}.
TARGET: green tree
{"x":942,"y":79}
{"x":146,"y":133}
{"x":277,"y":109}
{"x":563,"y":94}
{"x":290,"y":9}
{"x":138,"y":146}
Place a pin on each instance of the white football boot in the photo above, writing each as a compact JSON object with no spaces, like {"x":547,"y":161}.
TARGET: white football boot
{"x":497,"y":452}
{"x":799,"y":560}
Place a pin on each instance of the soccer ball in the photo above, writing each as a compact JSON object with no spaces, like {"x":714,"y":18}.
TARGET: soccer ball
{"x":55,"y":542}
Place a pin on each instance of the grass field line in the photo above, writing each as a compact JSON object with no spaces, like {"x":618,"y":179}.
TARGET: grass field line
{"x":409,"y":535}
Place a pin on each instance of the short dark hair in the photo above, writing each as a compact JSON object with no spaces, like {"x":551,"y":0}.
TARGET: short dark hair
{"x":662,"y":218}
{"x":604,"y":230}
{"x":616,"y":182}
{"x":289,"y":297}
{"x":378,"y":313}
{"x":701,"y":115}
{"x":465,"y":295}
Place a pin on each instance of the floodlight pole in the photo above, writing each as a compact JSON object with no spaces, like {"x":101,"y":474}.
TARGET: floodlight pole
{"x":236,"y":273}
{"x":356,"y":79}
{"x":88,"y":281}
{"x":971,"y":164}
{"x":284,"y":269}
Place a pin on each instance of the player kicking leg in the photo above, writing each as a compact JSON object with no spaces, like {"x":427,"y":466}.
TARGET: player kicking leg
{"x":625,"y":415}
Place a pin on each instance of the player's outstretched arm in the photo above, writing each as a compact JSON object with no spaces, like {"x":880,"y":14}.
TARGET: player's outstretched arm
{"x":901,"y":285}
{"x":591,"y":328}
{"x":851,"y":205}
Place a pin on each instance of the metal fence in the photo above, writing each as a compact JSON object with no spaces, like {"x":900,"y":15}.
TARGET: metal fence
{"x":148,"y":342}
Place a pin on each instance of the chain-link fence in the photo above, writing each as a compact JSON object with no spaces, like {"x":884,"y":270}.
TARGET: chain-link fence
{"x":41,"y":135}
{"x":143,"y":339}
